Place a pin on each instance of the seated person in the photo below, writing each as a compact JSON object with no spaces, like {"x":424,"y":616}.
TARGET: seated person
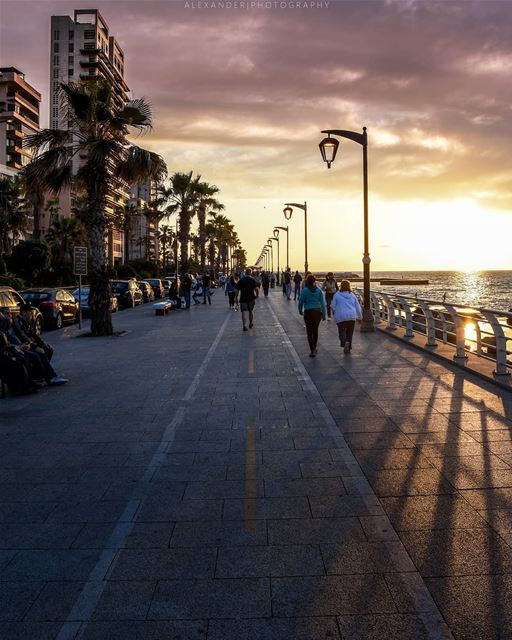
{"x":23,"y":328}
{"x":38,"y":364}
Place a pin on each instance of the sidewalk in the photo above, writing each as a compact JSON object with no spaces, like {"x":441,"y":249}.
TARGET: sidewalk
{"x":193,"y":481}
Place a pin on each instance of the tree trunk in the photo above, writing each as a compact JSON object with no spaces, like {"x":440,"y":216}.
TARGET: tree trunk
{"x":99,"y":297}
{"x":201,"y":215}
{"x":184,"y":235}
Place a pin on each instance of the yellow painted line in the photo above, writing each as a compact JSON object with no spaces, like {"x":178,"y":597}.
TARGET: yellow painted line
{"x":251,"y":484}
{"x":250,"y":366}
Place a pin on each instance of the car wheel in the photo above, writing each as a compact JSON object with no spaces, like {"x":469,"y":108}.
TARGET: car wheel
{"x":59,"y":321}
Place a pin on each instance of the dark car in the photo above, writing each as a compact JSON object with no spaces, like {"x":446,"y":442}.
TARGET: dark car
{"x":147,"y":291}
{"x":127,"y":292}
{"x":85,"y":300}
{"x":11,"y":299}
{"x":157,"y":286}
{"x":57,"y":305}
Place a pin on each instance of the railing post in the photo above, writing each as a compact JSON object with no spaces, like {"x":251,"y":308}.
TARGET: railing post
{"x":391,"y":311}
{"x":409,"y":331}
{"x":501,"y":344}
{"x":460,"y":337}
{"x":375,"y":306}
{"x":430,"y":324}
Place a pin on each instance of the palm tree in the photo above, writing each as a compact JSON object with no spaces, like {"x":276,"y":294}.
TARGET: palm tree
{"x":165,"y":237}
{"x":183,"y":196}
{"x":98,"y":136}
{"x":154,"y":214}
{"x":63,"y":235}
{"x":206,"y":203}
{"x":13,"y":218}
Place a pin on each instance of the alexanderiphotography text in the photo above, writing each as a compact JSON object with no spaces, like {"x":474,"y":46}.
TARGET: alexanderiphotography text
{"x":248,"y":5}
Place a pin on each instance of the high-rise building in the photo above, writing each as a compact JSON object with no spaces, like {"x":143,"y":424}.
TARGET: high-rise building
{"x":142,"y":231}
{"x":83,"y":49}
{"x":19,"y":117}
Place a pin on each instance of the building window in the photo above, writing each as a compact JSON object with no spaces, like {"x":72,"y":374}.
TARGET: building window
{"x":71,"y":35}
{"x":71,"y":47}
{"x":71,"y":60}
{"x":56,"y":34}
{"x":90,"y":34}
{"x":55,"y":112}
{"x":90,"y":45}
{"x":55,"y":47}
{"x":70,"y":72}
{"x":56,"y":72}
{"x":55,"y":98}
{"x":55,"y":61}
{"x":92,"y":72}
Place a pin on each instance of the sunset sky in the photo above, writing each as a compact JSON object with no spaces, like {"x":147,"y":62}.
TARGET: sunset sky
{"x":240,"y":96}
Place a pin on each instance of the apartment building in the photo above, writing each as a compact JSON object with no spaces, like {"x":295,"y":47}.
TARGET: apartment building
{"x":19,"y":117}
{"x":143,"y":232}
{"x":82,"y":48}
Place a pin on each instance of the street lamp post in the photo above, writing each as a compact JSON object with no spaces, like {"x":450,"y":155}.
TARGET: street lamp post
{"x":276,"y":239}
{"x":271,"y":247}
{"x":288,"y":210}
{"x":328,"y":148}
{"x":287,"y":244}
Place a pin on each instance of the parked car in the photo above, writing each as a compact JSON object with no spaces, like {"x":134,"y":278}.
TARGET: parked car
{"x":85,"y":300}
{"x":11,"y":299}
{"x":56,"y":305}
{"x":127,"y":292}
{"x":157,"y":286}
{"x":147,"y":291}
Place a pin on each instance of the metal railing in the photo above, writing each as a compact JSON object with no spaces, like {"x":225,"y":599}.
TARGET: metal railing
{"x":485,"y":333}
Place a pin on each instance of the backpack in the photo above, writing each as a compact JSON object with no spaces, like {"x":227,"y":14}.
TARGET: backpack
{"x":14,"y":372}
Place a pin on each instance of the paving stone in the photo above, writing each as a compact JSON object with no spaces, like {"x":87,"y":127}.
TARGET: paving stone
{"x":269,"y":561}
{"x":378,"y":528}
{"x":147,"y":630}
{"x":384,"y":440}
{"x":500,"y":498}
{"x":407,"y":482}
{"x":29,"y":630}
{"x":371,"y":461}
{"x":51,"y":565}
{"x":446,"y":552}
{"x":16,"y":597}
{"x":263,"y":508}
{"x":192,"y":472}
{"x":172,"y":510}
{"x":217,"y":534}
{"x":312,"y":456}
{"x":431,"y":512}
{"x":361,"y":557}
{"x":328,"y":469}
{"x":37,"y":536}
{"x":475,"y":607}
{"x":343,"y":506}
{"x":331,"y":595}
{"x":499,"y":519}
{"x":314,"y":531}
{"x":162,"y":564}
{"x":142,"y":535}
{"x":264,"y":471}
{"x":274,"y":629}
{"x":219,"y":489}
{"x":388,"y":627}
{"x":91,"y":511}
{"x":194,"y":599}
{"x":304,"y":487}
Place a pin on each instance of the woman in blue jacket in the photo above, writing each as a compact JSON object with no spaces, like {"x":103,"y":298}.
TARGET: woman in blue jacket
{"x":312,"y":306}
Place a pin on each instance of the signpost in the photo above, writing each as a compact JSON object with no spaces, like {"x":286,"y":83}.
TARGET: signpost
{"x":80,"y":269}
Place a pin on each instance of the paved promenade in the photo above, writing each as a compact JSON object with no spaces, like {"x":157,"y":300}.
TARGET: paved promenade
{"x":194,"y":482}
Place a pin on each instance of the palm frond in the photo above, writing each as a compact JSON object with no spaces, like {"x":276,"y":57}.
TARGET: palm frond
{"x":46,"y":138}
{"x":77,"y":97}
{"x":137,"y":114}
{"x":139,"y":163}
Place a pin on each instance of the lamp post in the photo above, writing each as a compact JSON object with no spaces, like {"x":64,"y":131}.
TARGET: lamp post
{"x":269,"y":241}
{"x":276,"y":239}
{"x":267,"y":257}
{"x":328,"y":148}
{"x":276,"y":229}
{"x":288,"y":210}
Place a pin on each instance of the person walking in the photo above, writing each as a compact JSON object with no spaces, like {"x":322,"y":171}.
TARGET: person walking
{"x":312,"y":307}
{"x":329,"y":288}
{"x":231,"y":291}
{"x":206,"y":288}
{"x":347,"y":310}
{"x":265,"y":282}
{"x":249,"y":291}
{"x":186,"y":288}
{"x":297,"y":279}
{"x":287,"y":283}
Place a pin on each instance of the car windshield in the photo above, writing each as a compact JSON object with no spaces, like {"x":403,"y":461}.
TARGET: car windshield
{"x":85,"y":292}
{"x":119,"y":286}
{"x":153,"y":281}
{"x":35,"y":295}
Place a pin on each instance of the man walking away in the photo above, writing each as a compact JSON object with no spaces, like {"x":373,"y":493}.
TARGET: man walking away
{"x":186,"y":288}
{"x":329,"y":287}
{"x":206,"y":288}
{"x":249,"y":291}
{"x":297,"y":279}
{"x":287,"y":280}
{"x":346,"y":310}
{"x":265,"y":281}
